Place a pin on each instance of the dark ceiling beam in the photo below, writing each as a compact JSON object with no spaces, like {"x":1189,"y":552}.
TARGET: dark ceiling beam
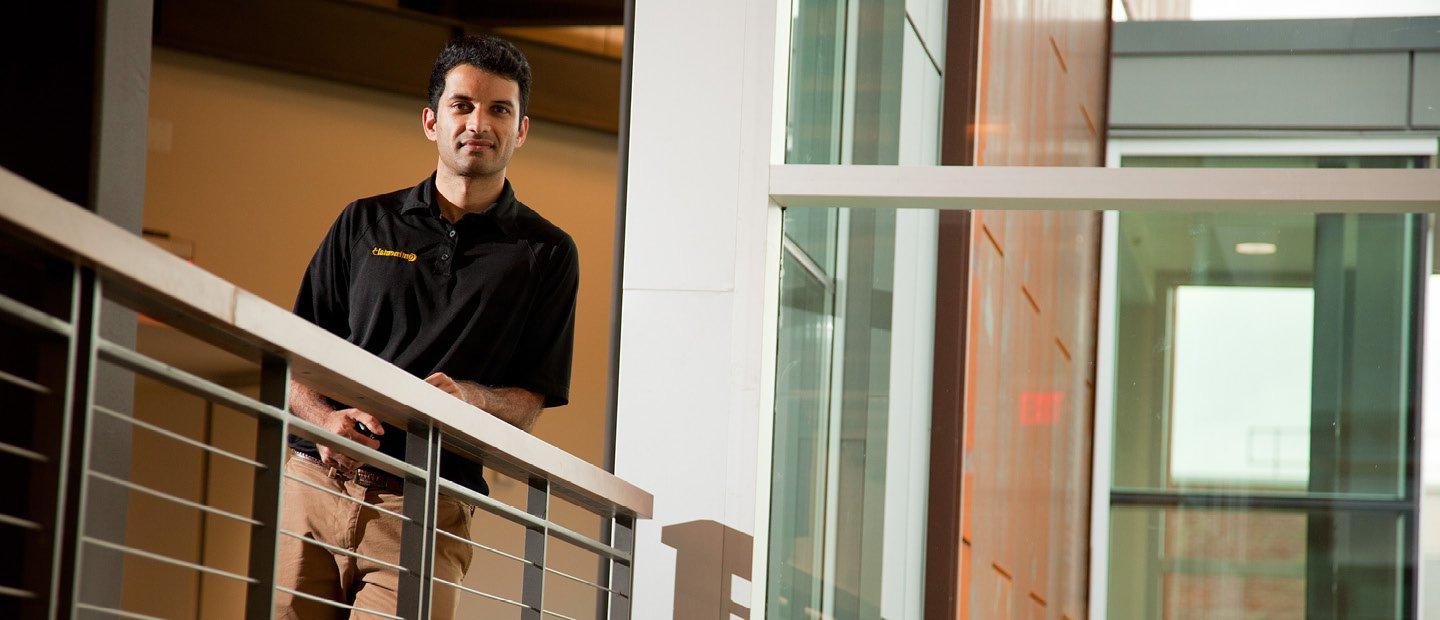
{"x":385,"y":49}
{"x":496,"y":13}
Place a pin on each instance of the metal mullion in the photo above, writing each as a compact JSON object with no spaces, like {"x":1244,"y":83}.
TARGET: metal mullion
{"x":151,"y":555}
{"x":160,"y":430}
{"x":1261,"y":502}
{"x":24,"y":453}
{"x":420,"y":501}
{"x":621,"y":573}
{"x":339,"y":495}
{"x":477,"y":545}
{"x":343,"y":551}
{"x":532,"y":589}
{"x":267,"y":495}
{"x":487,"y":595}
{"x":115,"y":612}
{"x":20,"y":523}
{"x":338,"y":605}
{"x":173,"y":499}
{"x":75,"y":437}
{"x":33,"y":317}
{"x":23,"y":383}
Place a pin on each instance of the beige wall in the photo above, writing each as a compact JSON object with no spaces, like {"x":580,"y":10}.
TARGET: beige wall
{"x":252,"y":166}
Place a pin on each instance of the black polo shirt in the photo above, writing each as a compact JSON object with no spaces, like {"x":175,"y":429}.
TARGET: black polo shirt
{"x":490,"y":299}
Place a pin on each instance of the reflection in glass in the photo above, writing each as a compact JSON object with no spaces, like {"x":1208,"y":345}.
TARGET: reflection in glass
{"x":1235,"y":563}
{"x":1265,"y":371}
{"x":829,"y":535}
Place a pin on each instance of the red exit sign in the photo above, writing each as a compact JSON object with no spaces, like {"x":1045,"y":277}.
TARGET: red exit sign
{"x":1040,"y":408}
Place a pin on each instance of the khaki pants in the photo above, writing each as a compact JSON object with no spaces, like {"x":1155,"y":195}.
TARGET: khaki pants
{"x":320,"y":572}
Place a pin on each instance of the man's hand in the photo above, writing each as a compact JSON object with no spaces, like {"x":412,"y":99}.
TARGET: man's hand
{"x":342,"y":423}
{"x":468,"y":391}
{"x":518,"y":406}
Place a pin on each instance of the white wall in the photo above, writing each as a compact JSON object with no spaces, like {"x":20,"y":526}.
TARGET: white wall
{"x":697,"y":250}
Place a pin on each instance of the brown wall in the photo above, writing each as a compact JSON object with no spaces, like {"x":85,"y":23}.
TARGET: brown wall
{"x":249,"y":167}
{"x":1031,"y":91}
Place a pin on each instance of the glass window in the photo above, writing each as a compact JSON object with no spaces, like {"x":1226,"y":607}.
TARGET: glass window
{"x":1263,"y":437}
{"x":842,"y":495}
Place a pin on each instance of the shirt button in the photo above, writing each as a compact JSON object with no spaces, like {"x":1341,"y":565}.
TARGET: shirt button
{"x":452,"y":233}
{"x":444,"y":257}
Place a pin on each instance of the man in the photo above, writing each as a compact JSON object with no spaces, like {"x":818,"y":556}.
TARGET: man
{"x":453,"y":280}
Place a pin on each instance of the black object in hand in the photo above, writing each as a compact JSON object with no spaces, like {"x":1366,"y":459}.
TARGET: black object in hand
{"x":365,"y":430}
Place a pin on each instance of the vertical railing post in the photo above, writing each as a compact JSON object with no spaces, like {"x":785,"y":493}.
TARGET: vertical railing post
{"x":532,"y":593}
{"x":266,"y":497}
{"x":75,"y":434}
{"x":622,"y":574}
{"x":417,"y":536}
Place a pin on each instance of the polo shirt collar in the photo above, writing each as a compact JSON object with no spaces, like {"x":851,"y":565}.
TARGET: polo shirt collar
{"x":503,"y":211}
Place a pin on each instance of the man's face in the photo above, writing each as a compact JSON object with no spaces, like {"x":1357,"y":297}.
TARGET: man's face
{"x":478,"y":124}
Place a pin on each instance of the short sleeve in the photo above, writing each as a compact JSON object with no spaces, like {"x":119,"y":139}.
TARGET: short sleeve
{"x":324,"y":290}
{"x":547,"y":343}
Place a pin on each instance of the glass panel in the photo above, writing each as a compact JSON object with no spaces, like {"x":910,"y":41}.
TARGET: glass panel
{"x":802,"y":396}
{"x":1230,"y":563}
{"x":829,"y":503}
{"x":1265,"y":353}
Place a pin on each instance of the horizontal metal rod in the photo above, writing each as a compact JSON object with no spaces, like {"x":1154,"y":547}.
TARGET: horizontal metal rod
{"x":343,"y":551}
{"x":20,"y":523}
{"x":1260,"y":502}
{"x":195,"y":384}
{"x":160,"y":430}
{"x":580,"y":540}
{"x":337,"y":604}
{"x":24,"y":383}
{"x":577,"y":579}
{"x":167,"y":559}
{"x":368,"y":455}
{"x":115,"y":612}
{"x":210,"y":390}
{"x":343,"y":496}
{"x":15,"y":592}
{"x":493,"y":506}
{"x":34,"y":317}
{"x":139,"y":488}
{"x":492,"y":597}
{"x":485,"y":547}
{"x":24,"y":453}
{"x":501,"y":509}
{"x":556,"y":614}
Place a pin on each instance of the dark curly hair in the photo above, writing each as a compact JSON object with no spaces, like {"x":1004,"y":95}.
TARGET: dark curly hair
{"x":486,"y":52}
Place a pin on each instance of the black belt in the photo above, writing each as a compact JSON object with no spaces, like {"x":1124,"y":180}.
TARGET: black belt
{"x":372,"y":479}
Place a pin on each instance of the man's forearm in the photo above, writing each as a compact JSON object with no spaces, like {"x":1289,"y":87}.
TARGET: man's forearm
{"x":307,"y":403}
{"x":517,"y":406}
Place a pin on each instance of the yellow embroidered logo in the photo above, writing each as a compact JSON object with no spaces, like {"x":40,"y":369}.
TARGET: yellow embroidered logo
{"x":396,"y":253}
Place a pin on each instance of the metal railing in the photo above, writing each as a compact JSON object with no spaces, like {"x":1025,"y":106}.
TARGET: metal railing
{"x":68,"y":275}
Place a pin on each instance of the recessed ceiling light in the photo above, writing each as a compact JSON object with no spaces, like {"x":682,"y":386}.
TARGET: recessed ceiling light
{"x":1255,"y":248}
